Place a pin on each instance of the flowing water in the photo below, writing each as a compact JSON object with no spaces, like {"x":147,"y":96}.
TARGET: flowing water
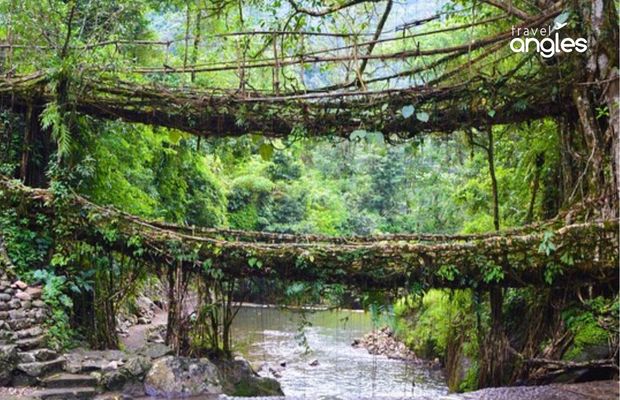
{"x":271,"y":337}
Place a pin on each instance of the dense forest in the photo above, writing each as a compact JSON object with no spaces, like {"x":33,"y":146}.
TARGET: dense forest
{"x":262,"y":123}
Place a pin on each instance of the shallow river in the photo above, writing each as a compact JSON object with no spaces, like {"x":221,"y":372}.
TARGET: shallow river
{"x":268,"y":337}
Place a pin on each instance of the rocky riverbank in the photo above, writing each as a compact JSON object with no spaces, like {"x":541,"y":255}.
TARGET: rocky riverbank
{"x":151,"y":371}
{"x":383,"y":342}
{"x":30,"y":370}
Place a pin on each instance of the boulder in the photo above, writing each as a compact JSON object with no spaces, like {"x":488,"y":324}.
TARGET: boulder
{"x":81,"y":360}
{"x":182,"y":377}
{"x":145,"y":307}
{"x":128,"y":378}
{"x":8,"y":362}
{"x":155,"y":350}
{"x":240,"y":380}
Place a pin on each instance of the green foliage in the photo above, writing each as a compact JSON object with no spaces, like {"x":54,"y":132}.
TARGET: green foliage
{"x":60,"y":333}
{"x":471,"y":378}
{"x":52,"y":117}
{"x":491,"y":272}
{"x":27,"y":242}
{"x":426,"y":322}
{"x":587,"y":326}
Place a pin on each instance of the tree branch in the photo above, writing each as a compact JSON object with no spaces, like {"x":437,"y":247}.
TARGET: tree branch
{"x":328,"y":10}
{"x":371,"y":47}
{"x":509,"y":8}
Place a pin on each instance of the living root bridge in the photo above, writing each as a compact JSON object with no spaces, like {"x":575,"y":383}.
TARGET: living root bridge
{"x":211,"y":114}
{"x":538,"y":255}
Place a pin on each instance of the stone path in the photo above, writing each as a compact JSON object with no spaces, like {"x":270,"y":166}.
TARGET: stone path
{"x":137,"y":334}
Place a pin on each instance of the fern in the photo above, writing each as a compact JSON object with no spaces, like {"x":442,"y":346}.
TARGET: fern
{"x":52,"y":118}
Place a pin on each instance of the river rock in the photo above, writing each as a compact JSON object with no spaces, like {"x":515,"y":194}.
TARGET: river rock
{"x":384,"y":342}
{"x":240,"y":380}
{"x":182,"y":377}
{"x":128,"y":378}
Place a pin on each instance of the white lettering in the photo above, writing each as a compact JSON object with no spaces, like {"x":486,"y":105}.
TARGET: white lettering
{"x":567,"y":45}
{"x":547,"y":47}
{"x":581,"y":45}
{"x":521,"y":45}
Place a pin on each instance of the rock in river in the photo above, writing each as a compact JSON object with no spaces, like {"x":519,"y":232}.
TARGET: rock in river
{"x":182,"y":377}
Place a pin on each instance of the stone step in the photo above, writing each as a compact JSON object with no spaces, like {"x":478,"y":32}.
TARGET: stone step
{"x":36,"y":355}
{"x":39,"y":368}
{"x":31,"y":343}
{"x":64,"y":380}
{"x":30,"y":332}
{"x":76,"y":393}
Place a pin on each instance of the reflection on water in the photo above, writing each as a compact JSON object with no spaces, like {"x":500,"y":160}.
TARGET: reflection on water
{"x":268,"y":337}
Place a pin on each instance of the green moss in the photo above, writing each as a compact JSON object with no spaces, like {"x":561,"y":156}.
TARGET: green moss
{"x":244,"y":218}
{"x":589,"y":334}
{"x":433,"y":318}
{"x":257,"y":387}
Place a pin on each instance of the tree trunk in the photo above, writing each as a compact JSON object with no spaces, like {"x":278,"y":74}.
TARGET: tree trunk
{"x":596,"y":97}
{"x":495,"y":355}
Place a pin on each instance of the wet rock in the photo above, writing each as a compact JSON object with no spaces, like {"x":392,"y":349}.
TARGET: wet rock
{"x":240,"y":380}
{"x":182,"y":377}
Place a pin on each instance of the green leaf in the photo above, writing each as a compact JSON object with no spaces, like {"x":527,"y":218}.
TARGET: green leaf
{"x":255,"y":262}
{"x":491,"y":113}
{"x":174,"y":136}
{"x":560,"y":20}
{"x":422,"y":116}
{"x":407,"y":111}
{"x":266,"y":151}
